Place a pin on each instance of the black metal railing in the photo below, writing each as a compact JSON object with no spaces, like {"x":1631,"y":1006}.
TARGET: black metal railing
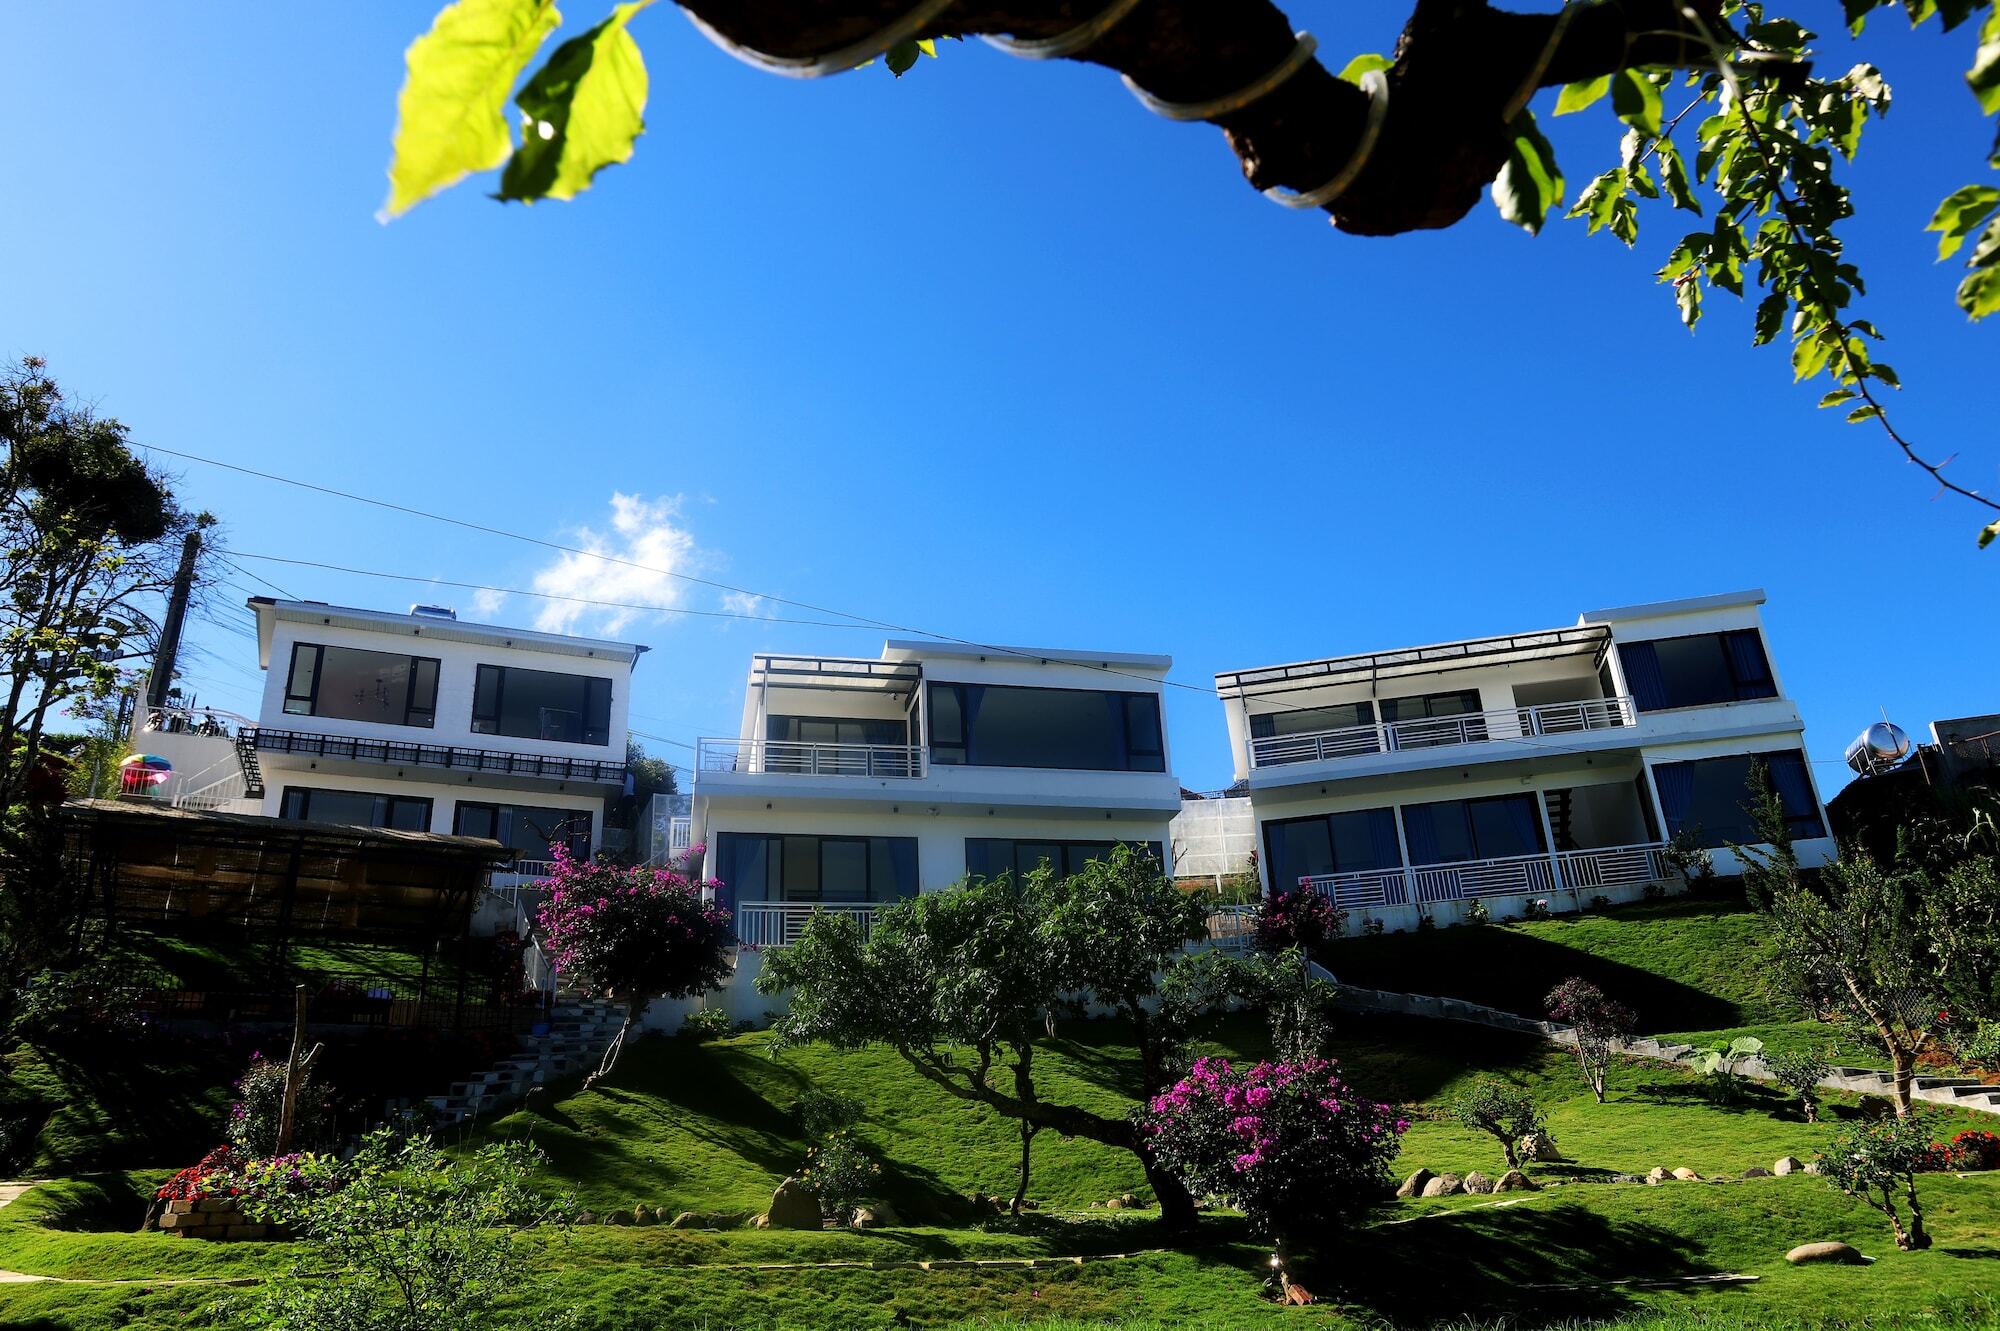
{"x":402,"y":753}
{"x":376,"y":1005}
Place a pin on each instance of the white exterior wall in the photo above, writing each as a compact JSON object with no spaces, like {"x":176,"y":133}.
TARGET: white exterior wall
{"x":424,"y":783}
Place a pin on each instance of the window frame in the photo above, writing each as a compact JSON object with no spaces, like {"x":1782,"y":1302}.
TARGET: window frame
{"x":495,"y":806}
{"x":591,"y":684}
{"x":411,"y":710}
{"x":384,"y":799}
{"x":1154,"y":848}
{"x":961,"y":752}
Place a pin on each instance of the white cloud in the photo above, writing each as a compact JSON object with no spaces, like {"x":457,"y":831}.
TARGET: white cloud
{"x":643,"y":532}
{"x":745,"y":603}
{"x":487,"y":603}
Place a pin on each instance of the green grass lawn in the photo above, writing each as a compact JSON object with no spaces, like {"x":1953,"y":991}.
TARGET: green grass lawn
{"x":228,"y":959}
{"x":1692,"y":968}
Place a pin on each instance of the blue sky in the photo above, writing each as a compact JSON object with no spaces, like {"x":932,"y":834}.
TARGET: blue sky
{"x":987,"y":351}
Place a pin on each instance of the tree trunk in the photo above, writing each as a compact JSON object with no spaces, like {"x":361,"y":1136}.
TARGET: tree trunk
{"x":1903,"y":1063}
{"x":1918,"y":1238}
{"x":1028,"y":1131}
{"x":634,"y":1009}
{"x":1896,"y":1229}
{"x":1177,"y":1213}
{"x":1513,"y":1152}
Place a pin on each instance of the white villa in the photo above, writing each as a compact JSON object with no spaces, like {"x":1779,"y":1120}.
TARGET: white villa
{"x":1551,"y":765}
{"x":423,"y":722}
{"x":856,"y":781}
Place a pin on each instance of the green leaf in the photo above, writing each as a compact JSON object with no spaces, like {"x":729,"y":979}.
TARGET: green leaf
{"x":1836,"y":397}
{"x":1867,"y":411}
{"x":1881,"y":370}
{"x":903,"y":56}
{"x":1687,"y":295}
{"x":1809,"y":355}
{"x":1979,"y":293}
{"x":1365,"y":64}
{"x":583,"y":110}
{"x":1576,"y":96}
{"x":1530,"y":184}
{"x":1770,"y":317}
{"x":1636,"y":100}
{"x":1598,"y":203}
{"x":1674,"y":178}
{"x":1988,"y":534}
{"x":1984,"y":76}
{"x":1856,"y":13}
{"x":1956,"y":11}
{"x":451,"y":114}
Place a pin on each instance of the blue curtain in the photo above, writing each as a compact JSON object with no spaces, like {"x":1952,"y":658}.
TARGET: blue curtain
{"x":1420,"y":826}
{"x":1675,"y":782}
{"x":1749,"y":664}
{"x":1794,"y":789}
{"x":1384,"y":852}
{"x":1526,"y":820}
{"x":1642,"y":675}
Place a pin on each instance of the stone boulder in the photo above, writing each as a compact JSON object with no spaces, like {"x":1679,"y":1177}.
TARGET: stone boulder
{"x":1787,"y":1164}
{"x":1444,"y":1185}
{"x":1835,"y":1253}
{"x":1540,"y":1147}
{"x":1686,"y":1175}
{"x":1658,"y":1175}
{"x":1477,"y":1182}
{"x":1413,"y":1186}
{"x":875,"y":1215}
{"x":1757,"y":1171}
{"x":1515,"y":1181}
{"x":1129,"y":1201}
{"x":586,"y":1217}
{"x":645,"y":1215}
{"x":794,"y":1206}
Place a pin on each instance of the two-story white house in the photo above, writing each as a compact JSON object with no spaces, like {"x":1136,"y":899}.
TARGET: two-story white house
{"x":424,"y":722}
{"x":1551,"y":765}
{"x":855,"y":781}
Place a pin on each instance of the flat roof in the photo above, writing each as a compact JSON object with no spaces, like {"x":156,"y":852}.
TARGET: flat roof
{"x":1047,"y":655}
{"x":1437,"y":658}
{"x":208,"y":824}
{"x":1684,"y":606}
{"x":269,"y":609}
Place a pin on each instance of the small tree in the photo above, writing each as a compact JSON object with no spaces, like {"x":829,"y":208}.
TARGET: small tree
{"x":1874,"y":1160}
{"x":1299,"y":918}
{"x":1298,"y":1004}
{"x":256,"y":1117}
{"x":1800,"y":1073}
{"x":632,"y":934}
{"x":1503,"y":1112}
{"x":401,"y":1237}
{"x":1597,"y":1022}
{"x":1289,"y":1144}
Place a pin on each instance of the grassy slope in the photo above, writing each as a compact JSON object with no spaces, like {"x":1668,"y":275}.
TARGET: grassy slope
{"x":1693,"y":968}
{"x":217,"y":959}
{"x":116,"y":1101}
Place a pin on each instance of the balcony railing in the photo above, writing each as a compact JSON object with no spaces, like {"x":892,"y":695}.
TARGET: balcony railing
{"x":779,"y":923}
{"x":1430,"y":732}
{"x":402,"y":753}
{"x":209,"y":721}
{"x":793,"y":758}
{"x":1510,"y":876}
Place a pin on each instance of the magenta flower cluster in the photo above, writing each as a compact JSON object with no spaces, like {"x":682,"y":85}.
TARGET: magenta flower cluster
{"x":630,"y":931}
{"x":1289,"y":1144}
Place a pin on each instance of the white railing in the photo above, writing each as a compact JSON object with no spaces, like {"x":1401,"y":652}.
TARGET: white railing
{"x":1232,"y":928}
{"x":523,"y":873}
{"x":680,"y":835}
{"x":779,"y":923}
{"x":1430,"y":732}
{"x":1507,"y":876}
{"x":800,"y":759}
{"x":194,"y":721}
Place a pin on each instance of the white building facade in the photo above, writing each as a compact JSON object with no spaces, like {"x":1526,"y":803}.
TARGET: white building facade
{"x":1552,"y":766}
{"x":854,"y":782}
{"x":422,"y":722}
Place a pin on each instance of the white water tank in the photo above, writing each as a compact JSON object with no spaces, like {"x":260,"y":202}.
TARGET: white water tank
{"x":1878,"y":748}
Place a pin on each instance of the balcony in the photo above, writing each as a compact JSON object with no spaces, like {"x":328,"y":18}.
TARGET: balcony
{"x":492,"y":762}
{"x":1432,"y":732}
{"x":761,"y":924}
{"x":1512,"y":876}
{"x":795,"y":758}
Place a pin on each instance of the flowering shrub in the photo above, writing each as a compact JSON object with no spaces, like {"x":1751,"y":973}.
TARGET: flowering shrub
{"x":840,"y":1173}
{"x":1968,"y":1150}
{"x":1300,"y":918}
{"x":220,"y":1174}
{"x":1288,"y":1144}
{"x":1536,"y":908}
{"x":253,"y":1118}
{"x":1597,"y":1021}
{"x":1874,"y":1161}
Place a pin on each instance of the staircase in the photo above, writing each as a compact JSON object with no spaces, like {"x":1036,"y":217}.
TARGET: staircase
{"x":579,"y":1030}
{"x":246,"y":758}
{"x":1558,"y":802}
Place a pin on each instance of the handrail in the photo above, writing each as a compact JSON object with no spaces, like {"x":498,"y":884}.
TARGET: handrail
{"x":761,"y":924}
{"x":1430,"y":732}
{"x":798,"y":758}
{"x":214,"y":721}
{"x":1509,"y":875}
{"x":506,"y":762}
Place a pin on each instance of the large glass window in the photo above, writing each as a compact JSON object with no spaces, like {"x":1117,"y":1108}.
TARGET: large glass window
{"x":1697,"y":670}
{"x":989,"y":725}
{"x":351,"y":684}
{"x":355,"y":808}
{"x":1711,"y":796}
{"x":541,"y":704}
{"x":1309,"y":720}
{"x":758,"y":867}
{"x":835,"y":730}
{"x":1452,"y":831}
{"x":1351,"y":842}
{"x":1459,"y":702}
{"x":531,"y":832}
{"x":989,"y":857}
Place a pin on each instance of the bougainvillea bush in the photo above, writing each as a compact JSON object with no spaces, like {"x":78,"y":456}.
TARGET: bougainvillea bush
{"x":633,"y":934}
{"x":1300,"y":918}
{"x":1291,"y":1145}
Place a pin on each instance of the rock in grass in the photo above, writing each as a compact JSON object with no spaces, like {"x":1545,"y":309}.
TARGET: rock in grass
{"x":1540,"y":1147}
{"x":1686,"y":1175}
{"x":1515,"y":1181}
{"x":1657,"y":1175}
{"x":1786,"y":1164}
{"x":1757,"y":1171}
{"x":1477,"y":1182}
{"x":1834,"y":1253}
{"x":874,"y":1216}
{"x":1413,"y":1186}
{"x":586,"y":1218}
{"x":1130,"y":1201}
{"x":794,"y":1206}
{"x":1444,"y":1185}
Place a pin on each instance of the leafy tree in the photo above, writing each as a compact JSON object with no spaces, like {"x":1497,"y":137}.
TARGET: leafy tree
{"x":963,"y":983}
{"x":1801,"y":1073}
{"x":1299,"y":918}
{"x":1289,"y":1144}
{"x":1874,"y":1159}
{"x":633,"y":934}
{"x":90,"y":539}
{"x":1721,"y":109}
{"x":1597,"y":1022}
{"x":401,"y":1237}
{"x":1503,"y":1112}
{"x":1298,"y":1004}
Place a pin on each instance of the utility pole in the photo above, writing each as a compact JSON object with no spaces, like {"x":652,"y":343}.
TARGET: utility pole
{"x":162,"y":677}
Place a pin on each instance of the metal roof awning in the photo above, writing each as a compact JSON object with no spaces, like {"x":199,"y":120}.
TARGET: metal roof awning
{"x":1592,"y":640}
{"x":850,"y":674}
